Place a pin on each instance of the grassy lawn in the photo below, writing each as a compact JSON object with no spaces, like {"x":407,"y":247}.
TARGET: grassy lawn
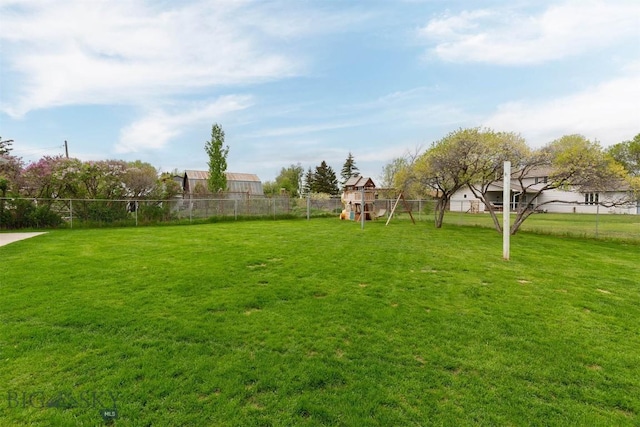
{"x":618,"y":227}
{"x":296,"y":323}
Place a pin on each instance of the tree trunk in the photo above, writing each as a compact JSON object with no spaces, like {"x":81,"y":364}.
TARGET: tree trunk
{"x":441,"y":206}
{"x":482,"y":196}
{"x":520,"y":218}
{"x":494,"y":217}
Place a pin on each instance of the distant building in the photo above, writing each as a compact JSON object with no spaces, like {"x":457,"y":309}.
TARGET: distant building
{"x":239,"y":185}
{"x":557,"y":200}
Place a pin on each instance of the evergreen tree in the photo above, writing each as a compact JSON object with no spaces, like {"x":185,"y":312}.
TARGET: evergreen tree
{"x":325,"y":180}
{"x":308,"y":182}
{"x":217,"y":153}
{"x":349,"y":169}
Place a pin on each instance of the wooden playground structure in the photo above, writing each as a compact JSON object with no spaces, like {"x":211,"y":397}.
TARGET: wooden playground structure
{"x":359,"y":200}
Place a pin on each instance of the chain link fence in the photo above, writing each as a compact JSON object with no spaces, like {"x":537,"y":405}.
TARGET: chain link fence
{"x":590,"y":220}
{"x":17,"y":213}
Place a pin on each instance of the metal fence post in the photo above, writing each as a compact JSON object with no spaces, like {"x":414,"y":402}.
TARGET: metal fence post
{"x":135,"y":205}
{"x":235,"y":209}
{"x":71,"y":212}
{"x":308,"y":207}
{"x":597,"y":218}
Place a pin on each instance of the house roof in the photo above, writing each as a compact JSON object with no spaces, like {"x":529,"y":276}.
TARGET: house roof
{"x":359,"y":182}
{"x":538,"y":172}
{"x":351,"y":181}
{"x":236,"y":182}
{"x":231,"y":176}
{"x":499,"y":186}
{"x":619,"y":185}
{"x":192,"y":174}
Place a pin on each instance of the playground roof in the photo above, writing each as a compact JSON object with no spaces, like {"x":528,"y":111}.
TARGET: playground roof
{"x":359,"y":182}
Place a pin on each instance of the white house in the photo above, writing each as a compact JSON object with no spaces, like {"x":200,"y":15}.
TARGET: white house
{"x":570,"y":201}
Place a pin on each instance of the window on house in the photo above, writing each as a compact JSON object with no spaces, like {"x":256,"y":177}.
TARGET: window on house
{"x":591,"y":198}
{"x":541,"y":179}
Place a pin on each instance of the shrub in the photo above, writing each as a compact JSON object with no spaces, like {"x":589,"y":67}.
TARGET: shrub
{"x":24,"y":213}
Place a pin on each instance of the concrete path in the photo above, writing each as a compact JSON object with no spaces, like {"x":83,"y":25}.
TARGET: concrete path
{"x":6,"y":238}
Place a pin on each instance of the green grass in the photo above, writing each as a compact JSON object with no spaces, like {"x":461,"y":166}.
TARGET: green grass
{"x":320,"y":323}
{"x":605,"y":226}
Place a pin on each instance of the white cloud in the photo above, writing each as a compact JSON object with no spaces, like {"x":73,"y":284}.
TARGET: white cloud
{"x":608,"y":112}
{"x":383,"y":154}
{"x":507,"y":37}
{"x":103,"y":52}
{"x":301,"y":130}
{"x":158,"y":127}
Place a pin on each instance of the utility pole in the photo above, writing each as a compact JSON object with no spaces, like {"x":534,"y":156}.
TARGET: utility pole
{"x":66,"y":148}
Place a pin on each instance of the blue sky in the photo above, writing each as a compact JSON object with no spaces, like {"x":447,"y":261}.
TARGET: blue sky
{"x":310,"y":80}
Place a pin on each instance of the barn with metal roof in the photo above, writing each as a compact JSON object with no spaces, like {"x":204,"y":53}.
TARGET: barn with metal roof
{"x":246,"y":184}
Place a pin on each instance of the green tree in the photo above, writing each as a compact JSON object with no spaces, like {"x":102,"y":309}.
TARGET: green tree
{"x":4,"y":186}
{"x":472,"y":157}
{"x":103,"y":179}
{"x":324,"y":180}
{"x":11,"y":170}
{"x":167,"y":187}
{"x":140,"y":179}
{"x":627,"y":153}
{"x":309,"y":178}
{"x":270,"y":188}
{"x":217,"y":153}
{"x":349,"y":169}
{"x":442,"y":169}
{"x":484,"y":164}
{"x":574,"y":163}
{"x":388,"y":178}
{"x":289,"y":179}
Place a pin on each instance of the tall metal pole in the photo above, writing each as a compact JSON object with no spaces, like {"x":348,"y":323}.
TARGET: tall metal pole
{"x":362,"y":210}
{"x":506,"y":210}
{"x":66,"y":148}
